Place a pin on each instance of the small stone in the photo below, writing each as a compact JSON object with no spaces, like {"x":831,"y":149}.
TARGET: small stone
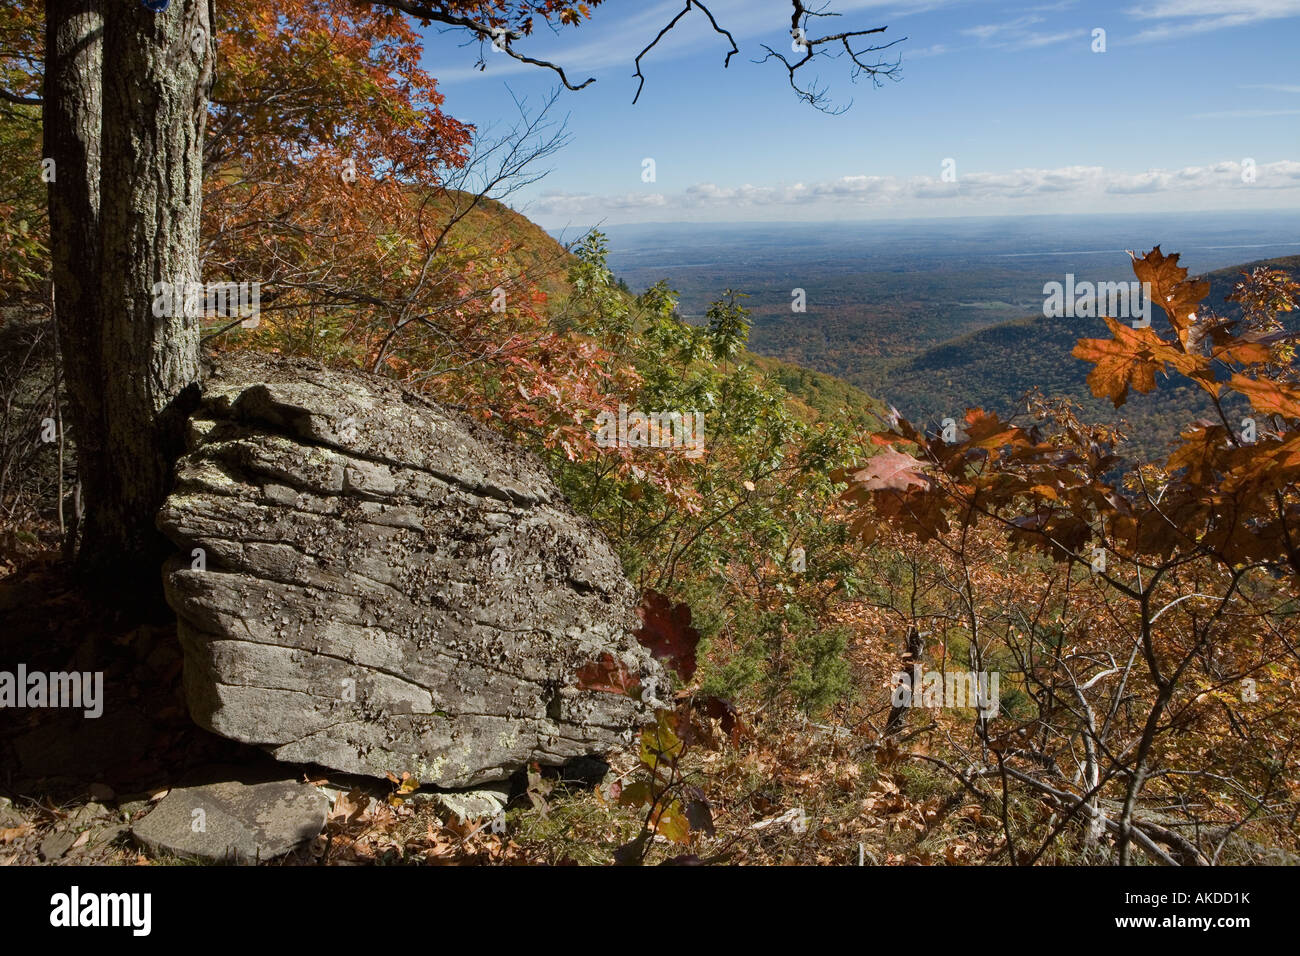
{"x":86,"y":814}
{"x":9,"y":817}
{"x":231,"y":821}
{"x":55,"y":845}
{"x":101,"y":792}
{"x":127,"y":808}
{"x":468,"y":805}
{"x":104,"y":835}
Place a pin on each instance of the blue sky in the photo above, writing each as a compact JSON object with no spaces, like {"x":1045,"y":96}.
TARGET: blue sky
{"x":1033,"y":119}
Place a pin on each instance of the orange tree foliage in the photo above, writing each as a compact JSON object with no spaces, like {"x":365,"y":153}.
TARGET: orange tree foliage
{"x":1163,"y":654}
{"x":331,"y":174}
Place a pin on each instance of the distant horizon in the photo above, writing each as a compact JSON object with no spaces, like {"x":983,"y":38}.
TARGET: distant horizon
{"x":991,"y":217}
{"x":999,"y":109}
{"x":997,"y":258}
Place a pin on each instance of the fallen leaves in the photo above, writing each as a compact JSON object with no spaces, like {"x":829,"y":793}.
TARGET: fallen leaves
{"x":406,"y":786}
{"x":10,"y":834}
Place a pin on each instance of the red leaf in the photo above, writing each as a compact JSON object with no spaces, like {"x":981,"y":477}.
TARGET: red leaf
{"x":606,"y":673}
{"x":666,"y":632}
{"x":726,"y":713}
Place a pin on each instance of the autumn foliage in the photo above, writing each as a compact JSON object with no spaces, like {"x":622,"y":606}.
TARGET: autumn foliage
{"x":1142,"y":615}
{"x":1153,"y":638}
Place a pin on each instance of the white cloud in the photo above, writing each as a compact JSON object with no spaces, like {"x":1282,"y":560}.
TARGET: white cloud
{"x":990,"y":30}
{"x":1185,"y":17}
{"x":1250,"y":9}
{"x":1081,"y":188}
{"x":1243,"y":114}
{"x":1034,"y":40}
{"x":554,"y":204}
{"x":938,"y":49}
{"x":1017,"y":33}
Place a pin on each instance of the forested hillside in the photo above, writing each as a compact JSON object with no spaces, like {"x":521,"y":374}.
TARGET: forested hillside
{"x":995,"y":367}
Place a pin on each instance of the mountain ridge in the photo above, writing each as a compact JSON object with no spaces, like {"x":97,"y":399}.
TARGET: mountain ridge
{"x":993,"y":367}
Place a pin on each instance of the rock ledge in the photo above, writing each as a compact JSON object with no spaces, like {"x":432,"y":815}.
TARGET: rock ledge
{"x":383,"y":585}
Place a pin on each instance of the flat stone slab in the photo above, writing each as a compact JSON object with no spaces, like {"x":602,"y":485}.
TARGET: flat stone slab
{"x":234,"y":822}
{"x":56,"y":844}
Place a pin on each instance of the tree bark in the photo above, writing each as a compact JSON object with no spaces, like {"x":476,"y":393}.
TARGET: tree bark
{"x":71,"y":123}
{"x":132,"y":376}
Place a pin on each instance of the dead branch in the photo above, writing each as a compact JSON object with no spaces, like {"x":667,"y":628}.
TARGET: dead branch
{"x":672,"y":23}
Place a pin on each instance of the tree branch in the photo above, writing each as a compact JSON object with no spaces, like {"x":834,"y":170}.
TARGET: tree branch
{"x":672,"y":23}
{"x":498,"y":36}
{"x":20,"y":100}
{"x":811,"y":95}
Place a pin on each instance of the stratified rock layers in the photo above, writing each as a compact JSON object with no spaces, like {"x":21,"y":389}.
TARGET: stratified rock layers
{"x":376,"y":584}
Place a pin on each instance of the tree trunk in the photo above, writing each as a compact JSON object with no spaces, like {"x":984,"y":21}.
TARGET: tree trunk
{"x":71,"y":123}
{"x":134,"y":374}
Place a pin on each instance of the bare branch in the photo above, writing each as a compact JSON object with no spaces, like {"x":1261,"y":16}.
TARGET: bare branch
{"x":685,"y":10}
{"x":20,"y":100}
{"x":498,"y":36}
{"x":493,"y":30}
{"x":813,"y":48}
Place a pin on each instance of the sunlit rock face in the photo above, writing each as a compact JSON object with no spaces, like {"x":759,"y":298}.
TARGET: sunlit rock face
{"x":374,"y":583}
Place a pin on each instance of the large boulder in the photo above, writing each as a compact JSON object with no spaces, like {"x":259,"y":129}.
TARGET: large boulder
{"x":374,"y":583}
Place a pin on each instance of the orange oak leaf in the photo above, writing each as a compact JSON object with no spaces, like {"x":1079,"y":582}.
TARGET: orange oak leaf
{"x":1129,"y":360}
{"x":1268,"y":398}
{"x":891,"y":470}
{"x":1170,"y":289}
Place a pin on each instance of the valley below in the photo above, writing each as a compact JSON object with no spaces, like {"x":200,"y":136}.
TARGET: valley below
{"x":937,"y":316}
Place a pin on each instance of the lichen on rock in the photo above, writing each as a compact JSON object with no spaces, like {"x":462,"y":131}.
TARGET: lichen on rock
{"x":385,"y":585}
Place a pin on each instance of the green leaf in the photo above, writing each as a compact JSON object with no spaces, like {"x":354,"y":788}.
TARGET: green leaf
{"x":672,"y":824}
{"x":660,"y":742}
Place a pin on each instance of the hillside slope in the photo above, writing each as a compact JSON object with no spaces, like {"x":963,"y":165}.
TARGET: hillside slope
{"x":822,"y":395}
{"x":489,"y":223}
{"x":994,"y":367}
{"x":813,"y":394}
